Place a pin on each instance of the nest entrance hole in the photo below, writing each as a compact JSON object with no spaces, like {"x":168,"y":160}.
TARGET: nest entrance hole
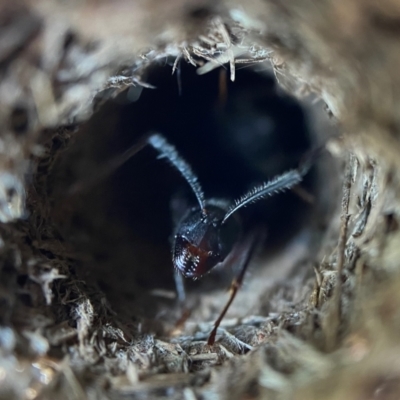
{"x":234,"y":135}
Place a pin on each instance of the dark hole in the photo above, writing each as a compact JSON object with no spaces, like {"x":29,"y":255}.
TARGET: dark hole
{"x":253,"y":136}
{"x":233,"y":134}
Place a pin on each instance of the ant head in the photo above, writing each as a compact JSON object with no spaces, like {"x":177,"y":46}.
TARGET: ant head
{"x":202,"y":241}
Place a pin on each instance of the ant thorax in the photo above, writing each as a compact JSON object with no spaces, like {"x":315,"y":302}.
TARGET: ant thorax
{"x":202,"y":240}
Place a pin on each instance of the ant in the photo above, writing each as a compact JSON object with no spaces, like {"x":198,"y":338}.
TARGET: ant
{"x":213,"y":233}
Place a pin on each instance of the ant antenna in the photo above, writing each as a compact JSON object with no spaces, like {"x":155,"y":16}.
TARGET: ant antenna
{"x":166,"y":150}
{"x":278,"y":184}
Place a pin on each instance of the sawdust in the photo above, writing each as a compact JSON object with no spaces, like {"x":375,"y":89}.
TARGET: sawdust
{"x":325,"y":329}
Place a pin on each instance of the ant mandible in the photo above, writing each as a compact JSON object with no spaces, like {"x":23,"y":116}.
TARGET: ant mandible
{"x":211,"y":234}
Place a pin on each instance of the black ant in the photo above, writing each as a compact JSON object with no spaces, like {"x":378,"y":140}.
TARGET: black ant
{"x":212,"y":233}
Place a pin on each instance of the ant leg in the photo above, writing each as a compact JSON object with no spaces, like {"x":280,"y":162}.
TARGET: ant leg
{"x":109,"y":167}
{"x":180,"y":287}
{"x":185,"y":312}
{"x":248,"y":247}
{"x":303,"y":194}
{"x":166,"y":150}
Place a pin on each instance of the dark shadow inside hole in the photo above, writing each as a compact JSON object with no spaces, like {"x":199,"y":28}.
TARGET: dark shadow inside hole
{"x":233,"y":134}
{"x":233,"y":137}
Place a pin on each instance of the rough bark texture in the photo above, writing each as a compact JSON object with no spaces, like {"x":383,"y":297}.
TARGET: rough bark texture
{"x":330,"y":335}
